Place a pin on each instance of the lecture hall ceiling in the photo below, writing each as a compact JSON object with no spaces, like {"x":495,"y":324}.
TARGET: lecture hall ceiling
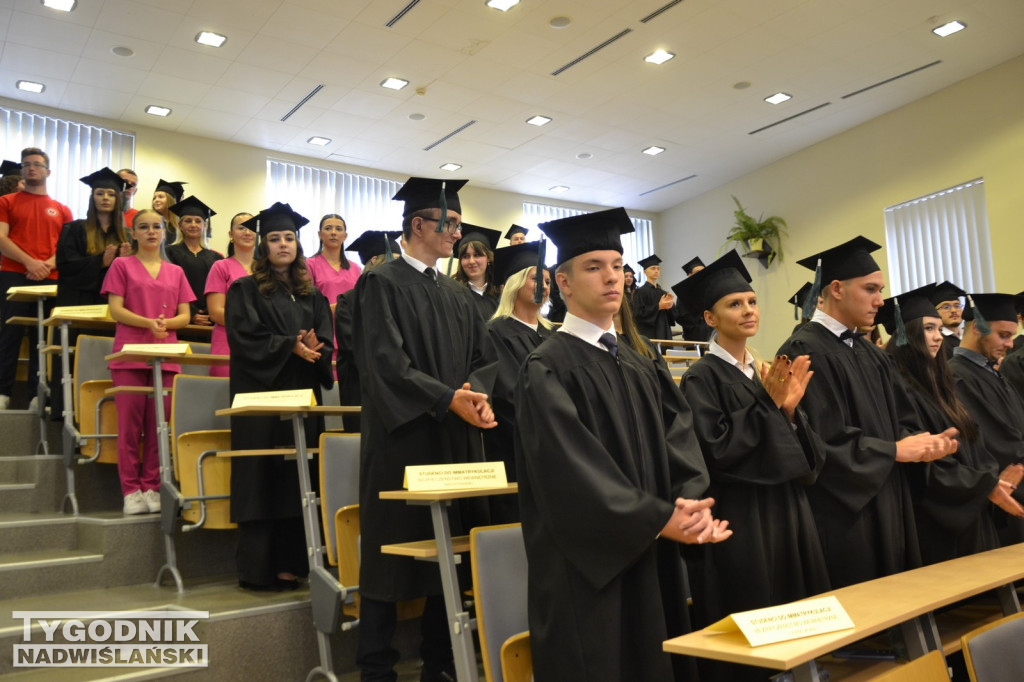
{"x":476,"y":74}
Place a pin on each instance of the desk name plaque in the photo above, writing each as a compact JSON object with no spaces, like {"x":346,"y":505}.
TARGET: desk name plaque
{"x":44,"y":290}
{"x":302,"y":397}
{"x":161,"y":348}
{"x":787,"y":621}
{"x":90,"y":312}
{"x":455,"y":476}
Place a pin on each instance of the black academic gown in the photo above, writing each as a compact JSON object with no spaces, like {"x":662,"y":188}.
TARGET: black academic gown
{"x":1012,"y":370}
{"x":512,"y":341}
{"x":949,"y":342}
{"x":415,"y":341}
{"x":950,"y":495}
{"x":603,"y":448}
{"x":651,"y":321}
{"x":261,"y":336}
{"x":858,"y":405}
{"x":693,"y":324}
{"x":485,"y":304}
{"x":760,"y":467}
{"x":998,"y":411}
{"x":197,"y":267}
{"x":347,"y":371}
{"x":79,"y":273}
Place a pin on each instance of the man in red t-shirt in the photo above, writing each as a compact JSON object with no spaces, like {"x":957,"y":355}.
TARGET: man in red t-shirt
{"x":30,"y":224}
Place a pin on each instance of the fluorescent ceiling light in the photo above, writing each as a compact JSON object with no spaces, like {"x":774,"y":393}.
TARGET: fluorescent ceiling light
{"x":503,"y":5}
{"x":31,"y":86}
{"x":949,"y":29}
{"x":558,"y":189}
{"x":659,"y":56}
{"x":778,"y":98}
{"x":210,"y":38}
{"x":393,"y":83}
{"x":62,"y":5}
{"x":158,"y":111}
{"x":653,"y":150}
{"x":538,"y":120}
{"x":319,"y":141}
{"x":451,"y":167}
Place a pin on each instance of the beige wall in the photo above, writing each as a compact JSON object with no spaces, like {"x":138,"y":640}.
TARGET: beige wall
{"x":839,"y":188}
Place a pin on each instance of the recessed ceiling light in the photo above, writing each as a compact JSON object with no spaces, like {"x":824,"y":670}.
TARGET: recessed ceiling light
{"x":949,"y":29}
{"x":659,"y":56}
{"x":558,"y":189}
{"x":538,"y":120}
{"x":741,"y":85}
{"x":503,"y":5}
{"x":393,"y":83}
{"x":559,"y":22}
{"x":158,"y":111}
{"x":450,"y":167}
{"x":31,"y":86}
{"x":584,"y":156}
{"x":122,"y":51}
{"x":319,"y":141}
{"x":417,"y":117}
{"x":210,"y":38}
{"x":653,"y":150}
{"x":778,"y":98}
{"x":62,"y":5}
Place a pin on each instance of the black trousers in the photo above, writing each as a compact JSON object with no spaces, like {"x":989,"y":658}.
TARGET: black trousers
{"x":269,"y":547}
{"x":12,"y":334}
{"x":376,"y":658}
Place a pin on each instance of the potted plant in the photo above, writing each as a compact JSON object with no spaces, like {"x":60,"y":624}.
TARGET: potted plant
{"x":761,"y":237}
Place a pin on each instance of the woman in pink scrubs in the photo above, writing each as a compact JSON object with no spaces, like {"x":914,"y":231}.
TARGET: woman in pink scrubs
{"x":148,"y":299}
{"x":242,"y":242}
{"x":332,"y":273}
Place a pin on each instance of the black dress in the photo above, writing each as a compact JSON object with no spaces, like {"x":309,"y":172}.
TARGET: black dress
{"x":651,"y":321}
{"x":512,"y":341}
{"x":858,"y":405}
{"x":197,"y":267}
{"x":79,"y":273}
{"x":603,"y":448}
{"x":416,"y":340}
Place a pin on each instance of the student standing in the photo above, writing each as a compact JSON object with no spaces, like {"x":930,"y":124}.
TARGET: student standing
{"x":242,"y":244}
{"x":191,"y":252}
{"x":165,"y":195}
{"x":332,"y":272}
{"x":475,"y":252}
{"x":946,"y":297}
{"x":652,"y":305}
{"x":516,"y":235}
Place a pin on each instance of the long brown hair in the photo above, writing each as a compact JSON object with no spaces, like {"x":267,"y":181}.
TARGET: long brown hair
{"x":631,"y":333}
{"x":490,"y":288}
{"x":96,"y":239}
{"x":299,"y":282}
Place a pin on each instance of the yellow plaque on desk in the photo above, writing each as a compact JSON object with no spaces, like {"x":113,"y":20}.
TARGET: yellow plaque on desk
{"x":88,"y":312}
{"x":301,"y":397}
{"x":47,"y":290}
{"x":455,"y":476}
{"x":788,"y":621}
{"x":162,"y":348}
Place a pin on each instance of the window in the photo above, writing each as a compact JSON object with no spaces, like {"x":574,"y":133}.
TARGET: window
{"x":75,"y":150}
{"x":941,"y":236}
{"x":363,"y":201}
{"x":635,"y":245}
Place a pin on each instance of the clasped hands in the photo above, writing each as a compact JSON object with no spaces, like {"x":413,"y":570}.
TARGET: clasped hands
{"x":472,"y":407}
{"x":1002,"y":494}
{"x":306,"y":345}
{"x":926,"y":447}
{"x":691,"y":523}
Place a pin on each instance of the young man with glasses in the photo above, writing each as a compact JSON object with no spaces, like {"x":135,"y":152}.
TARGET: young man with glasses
{"x":30,"y":225}
{"x":946,"y":299}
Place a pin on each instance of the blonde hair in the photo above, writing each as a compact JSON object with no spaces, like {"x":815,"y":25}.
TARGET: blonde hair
{"x":507,"y":304}
{"x":203,"y":239}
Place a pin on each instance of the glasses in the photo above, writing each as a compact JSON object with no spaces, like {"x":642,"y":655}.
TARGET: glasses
{"x":946,"y":307}
{"x":450,"y":225}
{"x":32,"y":164}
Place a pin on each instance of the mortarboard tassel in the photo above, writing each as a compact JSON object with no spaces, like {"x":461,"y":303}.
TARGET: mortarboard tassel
{"x":448,"y":270}
{"x":811,"y":302}
{"x":796,"y":311}
{"x":901,"y":328}
{"x":979,"y":320}
{"x":538,"y":288}
{"x":388,"y":254}
{"x":443,"y":203}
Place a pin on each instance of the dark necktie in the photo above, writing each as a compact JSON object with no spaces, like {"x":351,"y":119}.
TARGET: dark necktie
{"x":851,"y":335}
{"x":431,"y":274}
{"x":609,"y":341}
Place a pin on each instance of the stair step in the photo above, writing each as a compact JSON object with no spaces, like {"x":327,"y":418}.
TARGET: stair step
{"x":26,"y":532}
{"x":46,"y":558}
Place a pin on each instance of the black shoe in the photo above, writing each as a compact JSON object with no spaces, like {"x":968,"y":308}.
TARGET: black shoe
{"x":256,"y":587}
{"x":284,"y":585}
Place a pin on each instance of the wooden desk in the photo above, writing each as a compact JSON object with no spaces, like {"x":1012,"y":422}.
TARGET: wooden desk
{"x":323,"y":586}
{"x":459,"y":621}
{"x":39,"y":295}
{"x":905,"y":599}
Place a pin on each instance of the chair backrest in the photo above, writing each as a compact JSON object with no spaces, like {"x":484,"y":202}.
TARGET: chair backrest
{"x":928,"y":668}
{"x":499,"y":590}
{"x":332,"y":397}
{"x":991,"y":652}
{"x":194,"y":401}
{"x":339,"y":481}
{"x":90,"y":365}
{"x":198,"y":370}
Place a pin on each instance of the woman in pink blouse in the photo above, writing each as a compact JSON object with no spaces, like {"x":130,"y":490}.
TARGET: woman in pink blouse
{"x":242,"y":243}
{"x":331,"y":271}
{"x":149,"y":299}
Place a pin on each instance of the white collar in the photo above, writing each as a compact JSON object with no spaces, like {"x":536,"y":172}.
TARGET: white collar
{"x":586,"y":331}
{"x":420,"y":266}
{"x":747,"y":366}
{"x":477,"y":290}
{"x":534,"y":327}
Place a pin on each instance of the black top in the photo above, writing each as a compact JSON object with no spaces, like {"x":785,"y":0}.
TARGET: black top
{"x":79,"y":273}
{"x":197,"y":267}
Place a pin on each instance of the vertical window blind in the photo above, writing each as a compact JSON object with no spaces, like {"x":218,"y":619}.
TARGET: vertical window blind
{"x":635,"y":245}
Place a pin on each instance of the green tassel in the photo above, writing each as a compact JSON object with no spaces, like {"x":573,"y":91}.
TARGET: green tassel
{"x":811,"y":302}
{"x":448,"y":270}
{"x":443,"y":202}
{"x":538,"y":288}
{"x":388,"y":254}
{"x":901,"y":329}
{"x":979,"y":320}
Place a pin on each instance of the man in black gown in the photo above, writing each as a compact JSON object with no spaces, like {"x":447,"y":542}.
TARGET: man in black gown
{"x":946,"y":299}
{"x":418,"y":338}
{"x":652,"y":305}
{"x":990,"y":400}
{"x":693,"y":324}
{"x":606,"y":454}
{"x":857,"y":404}
{"x":1012,"y":366}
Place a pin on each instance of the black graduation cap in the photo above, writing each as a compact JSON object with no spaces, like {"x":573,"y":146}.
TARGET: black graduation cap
{"x":275,"y":219}
{"x":993,"y":307}
{"x":701,"y":290}
{"x":598,"y":231}
{"x":514,"y":230}
{"x":627,"y":268}
{"x":422,"y":193}
{"x":649,"y":261}
{"x":945,"y":291}
{"x":477,"y":233}
{"x":10,"y":168}
{"x":912,"y":305}
{"x":1020,"y":302}
{"x":691,"y":264}
{"x":799,"y":298}
{"x":192,"y":206}
{"x":176,"y":188}
{"x":105,"y":179}
{"x":509,"y":260}
{"x":846,"y":261}
{"x":374,"y":243}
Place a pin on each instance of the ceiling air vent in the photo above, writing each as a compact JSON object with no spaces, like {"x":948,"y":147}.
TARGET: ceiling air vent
{"x":674,"y":182}
{"x":592,"y":51}
{"x":894,"y":78}
{"x":788,"y":118}
{"x":656,"y":13}
{"x":303,"y":101}
{"x":448,"y":136}
{"x":401,"y":13}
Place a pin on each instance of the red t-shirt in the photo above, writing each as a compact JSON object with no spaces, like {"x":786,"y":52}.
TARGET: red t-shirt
{"x":35,"y":222}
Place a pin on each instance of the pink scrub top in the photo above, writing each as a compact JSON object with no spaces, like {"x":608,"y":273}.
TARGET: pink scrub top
{"x":222,"y":274}
{"x":332,"y":283}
